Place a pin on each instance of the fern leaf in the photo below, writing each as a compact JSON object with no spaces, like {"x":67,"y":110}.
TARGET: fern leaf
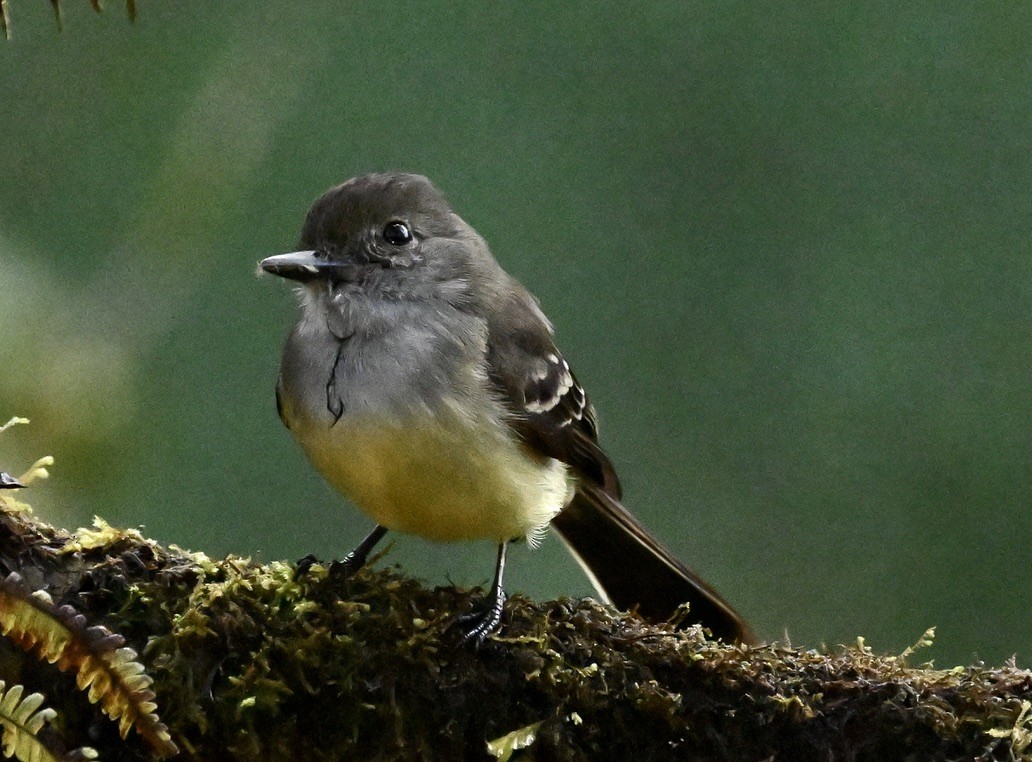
{"x":105,"y":668}
{"x":22,"y":719}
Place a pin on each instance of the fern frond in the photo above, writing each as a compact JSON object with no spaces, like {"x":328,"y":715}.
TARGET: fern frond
{"x":26,"y":619}
{"x":104,"y":666}
{"x":22,"y":719}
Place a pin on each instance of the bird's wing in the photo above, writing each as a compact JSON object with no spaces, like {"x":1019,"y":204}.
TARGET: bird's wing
{"x":552,"y":413}
{"x":550,"y":410}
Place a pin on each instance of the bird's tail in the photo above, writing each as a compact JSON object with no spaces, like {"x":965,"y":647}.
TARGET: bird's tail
{"x":633,"y":571}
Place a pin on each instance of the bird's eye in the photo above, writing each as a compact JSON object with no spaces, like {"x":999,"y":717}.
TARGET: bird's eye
{"x":397,"y":233}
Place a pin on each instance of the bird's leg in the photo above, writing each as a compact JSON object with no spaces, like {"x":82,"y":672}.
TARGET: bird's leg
{"x":485,"y":619}
{"x":352,"y":562}
{"x":356,"y":559}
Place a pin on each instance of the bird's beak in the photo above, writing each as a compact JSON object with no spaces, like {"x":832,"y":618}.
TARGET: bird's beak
{"x":297,"y":265}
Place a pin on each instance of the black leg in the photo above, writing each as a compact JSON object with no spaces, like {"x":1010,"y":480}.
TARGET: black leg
{"x":303,"y":565}
{"x":485,"y":620}
{"x":356,"y":559}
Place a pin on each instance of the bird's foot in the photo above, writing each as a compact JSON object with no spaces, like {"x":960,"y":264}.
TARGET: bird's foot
{"x":353,"y":561}
{"x":341,"y":570}
{"x":483,"y":620}
{"x":303,"y":565}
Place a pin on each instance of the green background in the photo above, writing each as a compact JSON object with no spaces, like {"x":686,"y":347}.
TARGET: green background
{"x":785,"y":247}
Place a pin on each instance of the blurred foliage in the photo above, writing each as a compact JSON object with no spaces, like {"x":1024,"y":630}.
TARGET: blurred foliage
{"x":5,"y":19}
{"x":784,"y":246}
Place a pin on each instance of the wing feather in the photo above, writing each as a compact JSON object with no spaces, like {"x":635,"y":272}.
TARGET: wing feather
{"x":550,"y":409}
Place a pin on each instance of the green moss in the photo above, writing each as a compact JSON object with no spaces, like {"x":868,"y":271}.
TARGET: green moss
{"x":250,"y":662}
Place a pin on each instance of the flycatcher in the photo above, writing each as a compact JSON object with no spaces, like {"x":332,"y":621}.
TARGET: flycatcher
{"x":423,"y":383}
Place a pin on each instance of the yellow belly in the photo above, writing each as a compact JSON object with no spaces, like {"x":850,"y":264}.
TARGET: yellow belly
{"x":442,"y":477}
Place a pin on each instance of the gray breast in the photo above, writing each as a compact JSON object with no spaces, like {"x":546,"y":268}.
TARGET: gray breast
{"x":363,"y":356}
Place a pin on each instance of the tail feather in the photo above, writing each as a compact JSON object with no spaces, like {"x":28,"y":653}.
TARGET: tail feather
{"x":633,"y":571}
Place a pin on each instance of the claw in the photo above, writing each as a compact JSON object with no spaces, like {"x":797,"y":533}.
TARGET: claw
{"x":352,"y":562}
{"x":340,"y":570}
{"x":303,"y":565}
{"x":356,"y":559}
{"x":487,"y":615}
{"x":483,"y":620}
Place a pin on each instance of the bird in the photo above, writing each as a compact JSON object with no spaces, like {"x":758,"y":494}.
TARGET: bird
{"x":424,"y":383}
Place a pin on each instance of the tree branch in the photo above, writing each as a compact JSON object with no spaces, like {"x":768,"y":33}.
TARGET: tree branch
{"x":250,"y":663}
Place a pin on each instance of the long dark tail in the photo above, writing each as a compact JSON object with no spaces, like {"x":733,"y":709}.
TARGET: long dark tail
{"x":635,"y":572}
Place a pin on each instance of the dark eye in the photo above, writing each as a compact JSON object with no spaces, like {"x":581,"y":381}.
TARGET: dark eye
{"x":397,"y":233}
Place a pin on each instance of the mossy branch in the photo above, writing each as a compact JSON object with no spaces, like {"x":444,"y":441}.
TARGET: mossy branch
{"x":249,"y":663}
